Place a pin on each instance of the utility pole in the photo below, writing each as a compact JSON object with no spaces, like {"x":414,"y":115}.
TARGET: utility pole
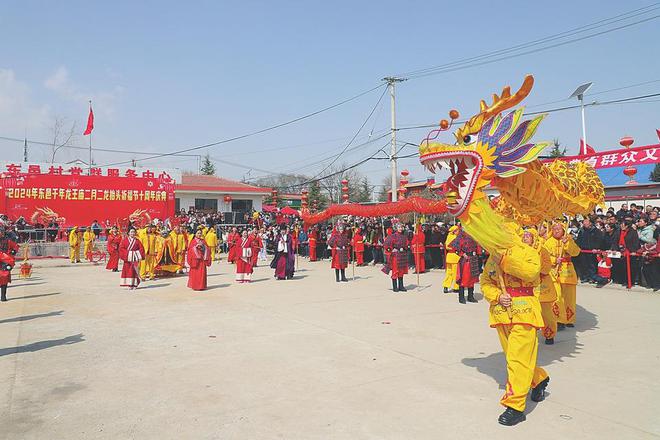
{"x":391,"y":81}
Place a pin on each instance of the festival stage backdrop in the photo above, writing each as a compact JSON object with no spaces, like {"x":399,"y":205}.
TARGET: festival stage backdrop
{"x":77,"y":199}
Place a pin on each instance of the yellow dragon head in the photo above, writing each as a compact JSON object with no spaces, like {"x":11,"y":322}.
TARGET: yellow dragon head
{"x":488,"y":146}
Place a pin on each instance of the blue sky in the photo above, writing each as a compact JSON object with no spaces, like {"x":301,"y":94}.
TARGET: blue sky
{"x":169,"y":75}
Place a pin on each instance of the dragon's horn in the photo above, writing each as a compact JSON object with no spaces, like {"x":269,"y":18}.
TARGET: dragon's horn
{"x":507,"y":100}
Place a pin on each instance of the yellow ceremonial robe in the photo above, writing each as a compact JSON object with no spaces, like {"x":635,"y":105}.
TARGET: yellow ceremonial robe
{"x":565,"y":278}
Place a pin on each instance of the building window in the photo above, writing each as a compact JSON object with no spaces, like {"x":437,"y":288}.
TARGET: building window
{"x":208,"y":205}
{"x":241,"y":205}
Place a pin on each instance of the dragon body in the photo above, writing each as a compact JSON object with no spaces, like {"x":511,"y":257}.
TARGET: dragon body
{"x":493,"y":148}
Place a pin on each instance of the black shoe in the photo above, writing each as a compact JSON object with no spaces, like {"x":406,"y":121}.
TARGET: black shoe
{"x":445,"y":290}
{"x":511,"y":417}
{"x":461,"y":296}
{"x":402,"y":288}
{"x":470,"y":297}
{"x":337,"y":275}
{"x":560,"y":327}
{"x":343,"y":276}
{"x":538,"y":392}
{"x":570,"y":325}
{"x":395,"y":286}
{"x":550,"y":341}
{"x":3,"y":299}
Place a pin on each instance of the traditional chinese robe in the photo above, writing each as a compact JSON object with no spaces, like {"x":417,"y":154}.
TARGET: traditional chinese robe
{"x":199,"y":258}
{"x":131,"y":252}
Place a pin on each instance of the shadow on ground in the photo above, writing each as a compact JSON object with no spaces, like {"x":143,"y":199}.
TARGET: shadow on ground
{"x":30,"y":317}
{"x":42,"y":345}
{"x":32,"y":296}
{"x":566,"y":347}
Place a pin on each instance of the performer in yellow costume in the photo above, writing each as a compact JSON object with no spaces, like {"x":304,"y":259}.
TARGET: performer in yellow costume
{"x":149,"y":240}
{"x":547,"y":289}
{"x":495,"y":148}
{"x":562,"y":249}
{"x":88,"y":239}
{"x":180,"y":243}
{"x":211,"y":239}
{"x":515,"y":311}
{"x":451,"y":262}
{"x":74,"y":245}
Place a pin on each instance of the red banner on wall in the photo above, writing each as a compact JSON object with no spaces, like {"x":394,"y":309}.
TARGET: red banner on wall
{"x":649,"y":154}
{"x":75,"y":200}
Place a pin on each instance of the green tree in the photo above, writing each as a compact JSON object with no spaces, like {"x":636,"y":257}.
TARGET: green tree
{"x":208,"y":167}
{"x":557,"y":150}
{"x":384,"y":188}
{"x":363,"y":191}
{"x":314,"y":194}
{"x":655,"y":174}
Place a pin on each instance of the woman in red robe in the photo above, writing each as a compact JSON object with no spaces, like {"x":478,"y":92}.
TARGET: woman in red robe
{"x":131,"y":252}
{"x":396,"y":245}
{"x":257,"y":244}
{"x":312,"y":237}
{"x":418,"y":248}
{"x":245,"y":251}
{"x":114,"y":240}
{"x":232,"y":241}
{"x":358,"y":247}
{"x":199,"y":257}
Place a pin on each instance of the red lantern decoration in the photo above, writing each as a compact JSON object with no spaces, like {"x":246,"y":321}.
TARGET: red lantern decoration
{"x":303,"y":199}
{"x":630,"y":171}
{"x":344,"y":190}
{"x":227,"y":199}
{"x":344,"y":197}
{"x":626,"y":141}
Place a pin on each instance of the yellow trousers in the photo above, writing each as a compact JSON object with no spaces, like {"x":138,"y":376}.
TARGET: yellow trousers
{"x":566,"y":303}
{"x":450,"y":276}
{"x":520,"y":347}
{"x":549,"y":319}
{"x":87,"y":250}
{"x":74,"y":254}
{"x":212,"y":254}
{"x":147,"y":267}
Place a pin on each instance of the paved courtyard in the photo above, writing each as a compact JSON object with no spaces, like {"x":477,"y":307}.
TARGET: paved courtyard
{"x":81,"y":358}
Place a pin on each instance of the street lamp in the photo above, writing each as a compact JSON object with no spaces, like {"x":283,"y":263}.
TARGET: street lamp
{"x":579,"y":94}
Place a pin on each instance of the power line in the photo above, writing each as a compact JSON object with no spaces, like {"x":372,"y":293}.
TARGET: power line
{"x":354,"y":136}
{"x":494,"y":56}
{"x":256,"y":132}
{"x":552,"y":110}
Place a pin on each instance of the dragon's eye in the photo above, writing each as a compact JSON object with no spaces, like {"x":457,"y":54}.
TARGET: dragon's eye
{"x":469,"y":139}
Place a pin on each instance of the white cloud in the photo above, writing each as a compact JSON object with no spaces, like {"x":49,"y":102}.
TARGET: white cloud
{"x":104,"y":101}
{"x":18,"y":111}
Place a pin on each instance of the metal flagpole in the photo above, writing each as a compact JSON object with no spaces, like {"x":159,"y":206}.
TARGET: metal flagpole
{"x":414,"y":255}
{"x":89,"y":168}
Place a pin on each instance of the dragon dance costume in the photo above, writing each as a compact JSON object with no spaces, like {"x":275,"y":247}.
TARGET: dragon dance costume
{"x":451,"y":261}
{"x":493,"y":148}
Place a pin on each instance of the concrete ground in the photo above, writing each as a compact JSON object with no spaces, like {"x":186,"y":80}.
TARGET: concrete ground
{"x":81,"y":358}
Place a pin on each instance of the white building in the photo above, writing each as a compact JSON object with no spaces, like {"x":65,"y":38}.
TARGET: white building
{"x":217,"y":194}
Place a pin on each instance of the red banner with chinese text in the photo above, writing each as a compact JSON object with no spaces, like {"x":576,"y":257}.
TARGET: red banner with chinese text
{"x":76,"y":199}
{"x":649,"y":154}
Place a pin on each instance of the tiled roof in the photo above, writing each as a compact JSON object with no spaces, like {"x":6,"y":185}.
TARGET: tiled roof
{"x":202,"y":183}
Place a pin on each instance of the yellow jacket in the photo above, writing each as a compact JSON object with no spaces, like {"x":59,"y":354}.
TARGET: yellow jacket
{"x":179,"y":241}
{"x":211,"y":238}
{"x":548,"y":292}
{"x":564,"y":272}
{"x":524,"y":309}
{"x":89,"y":237}
{"x":452,"y":257}
{"x":74,"y":240}
{"x":149,"y":242}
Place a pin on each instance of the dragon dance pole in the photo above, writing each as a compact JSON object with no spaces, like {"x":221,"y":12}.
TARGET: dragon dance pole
{"x":415,"y":259}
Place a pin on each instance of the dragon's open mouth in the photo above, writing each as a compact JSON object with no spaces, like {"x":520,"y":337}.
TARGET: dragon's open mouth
{"x":465,"y":167}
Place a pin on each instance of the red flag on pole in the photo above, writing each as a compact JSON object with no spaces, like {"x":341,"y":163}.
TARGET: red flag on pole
{"x":90,"y":122}
{"x":586,"y":149}
{"x":657,"y":131}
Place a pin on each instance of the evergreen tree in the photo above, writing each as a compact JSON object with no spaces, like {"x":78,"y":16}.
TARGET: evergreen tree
{"x":314,"y":195}
{"x":362,"y":193}
{"x":557,"y":150}
{"x":208,"y":167}
{"x":655,"y":174}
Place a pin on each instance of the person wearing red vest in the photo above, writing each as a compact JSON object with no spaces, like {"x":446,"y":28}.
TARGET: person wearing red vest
{"x":232,"y":243}
{"x":358,"y":247}
{"x":418,"y":249}
{"x":339,"y":244}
